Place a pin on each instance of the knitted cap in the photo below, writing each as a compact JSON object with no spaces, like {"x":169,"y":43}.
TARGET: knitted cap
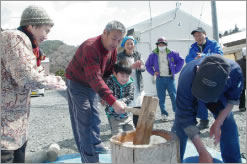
{"x":34,"y":15}
{"x":127,"y":38}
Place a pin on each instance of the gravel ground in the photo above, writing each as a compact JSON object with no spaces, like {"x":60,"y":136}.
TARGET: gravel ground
{"x":50,"y":123}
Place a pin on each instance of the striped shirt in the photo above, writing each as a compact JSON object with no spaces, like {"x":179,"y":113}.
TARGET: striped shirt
{"x":91,"y":65}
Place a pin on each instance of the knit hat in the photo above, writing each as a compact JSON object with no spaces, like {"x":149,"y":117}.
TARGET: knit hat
{"x":127,"y":38}
{"x":210,"y":79}
{"x":34,"y":15}
{"x":162,"y":40}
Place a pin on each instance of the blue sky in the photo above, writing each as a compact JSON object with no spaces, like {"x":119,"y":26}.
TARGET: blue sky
{"x":75,"y":21}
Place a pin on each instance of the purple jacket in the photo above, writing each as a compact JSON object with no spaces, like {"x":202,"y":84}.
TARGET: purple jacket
{"x":174,"y":60}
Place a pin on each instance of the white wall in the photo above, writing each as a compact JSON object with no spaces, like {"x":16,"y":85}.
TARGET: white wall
{"x":179,"y":39}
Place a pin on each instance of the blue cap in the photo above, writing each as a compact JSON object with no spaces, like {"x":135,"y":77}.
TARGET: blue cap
{"x":127,"y":38}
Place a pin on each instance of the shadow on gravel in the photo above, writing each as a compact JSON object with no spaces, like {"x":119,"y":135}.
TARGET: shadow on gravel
{"x":104,"y":128}
{"x":35,"y":96}
{"x":238,"y":113}
{"x":67,"y":143}
{"x":63,"y":93}
{"x":160,"y":121}
{"x":105,"y":138}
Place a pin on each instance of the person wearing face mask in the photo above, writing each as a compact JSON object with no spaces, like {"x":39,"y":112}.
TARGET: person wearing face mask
{"x":164,"y":64}
{"x":201,"y":48}
{"x":134,"y":58}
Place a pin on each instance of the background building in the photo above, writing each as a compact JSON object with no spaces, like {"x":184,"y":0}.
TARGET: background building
{"x":176,"y":26}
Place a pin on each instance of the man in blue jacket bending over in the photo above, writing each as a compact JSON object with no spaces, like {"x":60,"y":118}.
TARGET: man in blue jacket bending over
{"x":201,"y":48}
{"x":218,"y":83}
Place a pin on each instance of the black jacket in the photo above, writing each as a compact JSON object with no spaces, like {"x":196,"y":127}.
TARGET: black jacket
{"x":242,"y":63}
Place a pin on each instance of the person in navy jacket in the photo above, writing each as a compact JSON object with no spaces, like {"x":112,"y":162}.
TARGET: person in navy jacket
{"x":201,"y":48}
{"x":218,"y":83}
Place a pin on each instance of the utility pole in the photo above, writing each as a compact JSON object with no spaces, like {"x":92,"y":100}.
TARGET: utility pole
{"x":214,"y":21}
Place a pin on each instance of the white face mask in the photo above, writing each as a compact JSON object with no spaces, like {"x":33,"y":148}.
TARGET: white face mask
{"x":162,"y":48}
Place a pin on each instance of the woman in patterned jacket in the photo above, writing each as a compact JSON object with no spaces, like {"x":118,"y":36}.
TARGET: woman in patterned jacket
{"x":19,"y":74}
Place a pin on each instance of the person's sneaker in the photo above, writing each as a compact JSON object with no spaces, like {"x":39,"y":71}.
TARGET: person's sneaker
{"x":242,"y":109}
{"x":164,"y":117}
{"x":203,"y":124}
{"x":99,"y":148}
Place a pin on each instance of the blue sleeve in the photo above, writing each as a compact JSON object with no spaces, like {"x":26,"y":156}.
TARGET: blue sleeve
{"x":233,"y":92}
{"x":216,"y":49}
{"x":186,"y":105}
{"x":192,"y":54}
{"x":179,"y":61}
{"x":149,"y":65}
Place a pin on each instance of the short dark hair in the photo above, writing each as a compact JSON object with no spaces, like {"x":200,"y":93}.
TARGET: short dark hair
{"x":122,"y":66}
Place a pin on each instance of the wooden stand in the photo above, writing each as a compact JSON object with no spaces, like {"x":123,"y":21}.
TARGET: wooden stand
{"x":158,"y":153}
{"x":141,"y":151}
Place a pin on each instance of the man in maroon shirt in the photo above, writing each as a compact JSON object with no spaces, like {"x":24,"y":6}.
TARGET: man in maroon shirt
{"x":90,"y":66}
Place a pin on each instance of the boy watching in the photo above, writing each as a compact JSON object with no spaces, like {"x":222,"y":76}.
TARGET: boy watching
{"x":122,"y":87}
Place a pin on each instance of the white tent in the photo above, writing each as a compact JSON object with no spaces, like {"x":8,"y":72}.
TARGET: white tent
{"x":176,"y":26}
